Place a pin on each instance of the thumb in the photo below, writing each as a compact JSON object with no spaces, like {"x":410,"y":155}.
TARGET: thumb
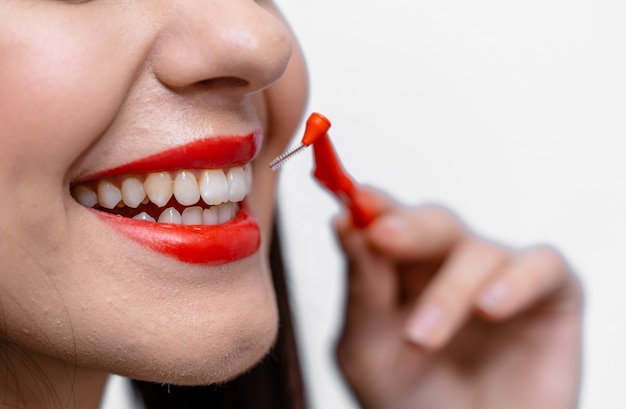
{"x":371,"y":281}
{"x":368,"y":204}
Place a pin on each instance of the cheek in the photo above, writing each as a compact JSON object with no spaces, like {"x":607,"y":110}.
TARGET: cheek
{"x":60,"y":86}
{"x":61,"y":82}
{"x":281,"y":109}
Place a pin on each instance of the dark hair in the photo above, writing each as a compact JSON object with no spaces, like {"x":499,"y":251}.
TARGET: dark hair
{"x":275,"y":383}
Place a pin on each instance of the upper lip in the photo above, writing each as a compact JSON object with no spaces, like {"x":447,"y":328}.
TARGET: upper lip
{"x":206,"y":153}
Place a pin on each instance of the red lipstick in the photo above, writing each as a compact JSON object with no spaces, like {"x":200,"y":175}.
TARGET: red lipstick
{"x":197,"y":244}
{"x":211,"y":245}
{"x":208,"y":153}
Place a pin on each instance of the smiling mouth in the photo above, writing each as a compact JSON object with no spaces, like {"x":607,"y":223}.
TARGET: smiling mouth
{"x":187,"y":202}
{"x":189,"y":197}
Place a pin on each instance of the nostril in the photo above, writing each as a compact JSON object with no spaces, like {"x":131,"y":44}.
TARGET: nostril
{"x":223,"y":82}
{"x":246,"y":49}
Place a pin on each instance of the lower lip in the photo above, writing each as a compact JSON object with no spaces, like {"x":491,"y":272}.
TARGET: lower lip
{"x":209,"y":245}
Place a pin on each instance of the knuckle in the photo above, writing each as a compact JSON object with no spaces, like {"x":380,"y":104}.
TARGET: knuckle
{"x":452,"y":299}
{"x":546,"y":266}
{"x":484,"y":249}
{"x":343,"y":354}
{"x":349,"y":360}
{"x":433,"y":210}
{"x":550,"y":257}
{"x":442,"y":214}
{"x":577,"y":289}
{"x":443,"y":219}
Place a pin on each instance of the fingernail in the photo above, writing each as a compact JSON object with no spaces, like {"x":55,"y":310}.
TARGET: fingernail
{"x":422,"y":324}
{"x":395,"y":223}
{"x":492,"y":298}
{"x":389,"y":227}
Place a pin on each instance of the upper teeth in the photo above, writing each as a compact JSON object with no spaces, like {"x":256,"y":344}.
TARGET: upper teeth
{"x":212,"y":186}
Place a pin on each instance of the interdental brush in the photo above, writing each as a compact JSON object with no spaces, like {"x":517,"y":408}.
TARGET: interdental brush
{"x":328,"y":170}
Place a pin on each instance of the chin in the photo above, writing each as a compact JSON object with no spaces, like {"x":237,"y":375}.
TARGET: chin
{"x":201,"y":342}
{"x":199,"y":366}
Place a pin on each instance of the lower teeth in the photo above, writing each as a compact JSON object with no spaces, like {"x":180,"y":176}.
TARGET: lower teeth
{"x":195,"y":215}
{"x":144,"y":216}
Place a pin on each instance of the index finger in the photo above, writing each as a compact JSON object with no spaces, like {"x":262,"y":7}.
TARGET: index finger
{"x":409,"y":234}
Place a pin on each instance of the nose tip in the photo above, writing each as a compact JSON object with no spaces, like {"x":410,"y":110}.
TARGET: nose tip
{"x":235,"y":44}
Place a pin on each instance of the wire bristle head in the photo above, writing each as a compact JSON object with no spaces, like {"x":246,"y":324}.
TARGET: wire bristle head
{"x":284,"y":157}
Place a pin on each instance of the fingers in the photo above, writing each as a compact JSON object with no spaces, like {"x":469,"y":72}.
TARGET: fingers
{"x":372,"y":281}
{"x":398,"y":236}
{"x":452,"y":273}
{"x":489,"y":279}
{"x":412,"y":234}
{"x":528,"y":277}
{"x":449,"y":298}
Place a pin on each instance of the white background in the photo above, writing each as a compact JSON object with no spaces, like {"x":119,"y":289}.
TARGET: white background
{"x":511,"y":113}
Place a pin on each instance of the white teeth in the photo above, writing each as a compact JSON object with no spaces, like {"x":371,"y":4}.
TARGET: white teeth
{"x":85,"y":196}
{"x":247,"y":171}
{"x":108,"y":194}
{"x":158,"y":187}
{"x":132,"y":192}
{"x":219,"y":214}
{"x":192,"y":215}
{"x":170,"y":215}
{"x":186,"y":188}
{"x":144,"y":216}
{"x":213,"y":186}
{"x":236,"y":184}
{"x":218,"y":188}
{"x":195,"y":215}
{"x":226,"y":212}
{"x":209,"y":216}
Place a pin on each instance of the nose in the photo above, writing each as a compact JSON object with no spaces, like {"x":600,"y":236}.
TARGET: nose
{"x":234,"y":44}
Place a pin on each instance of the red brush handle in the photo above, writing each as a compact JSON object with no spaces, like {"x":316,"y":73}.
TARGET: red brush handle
{"x":329,"y":172}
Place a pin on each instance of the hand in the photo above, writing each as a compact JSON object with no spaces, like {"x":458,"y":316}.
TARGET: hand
{"x":438,"y":317}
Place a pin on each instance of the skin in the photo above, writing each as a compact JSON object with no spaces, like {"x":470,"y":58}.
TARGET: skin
{"x":87,"y":86}
{"x":90,"y":85}
{"x":439,"y":317}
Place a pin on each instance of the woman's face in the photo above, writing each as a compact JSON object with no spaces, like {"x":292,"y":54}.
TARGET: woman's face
{"x":102,"y":102}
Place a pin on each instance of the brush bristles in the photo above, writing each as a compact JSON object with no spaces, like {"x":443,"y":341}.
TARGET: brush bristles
{"x":284,"y":157}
